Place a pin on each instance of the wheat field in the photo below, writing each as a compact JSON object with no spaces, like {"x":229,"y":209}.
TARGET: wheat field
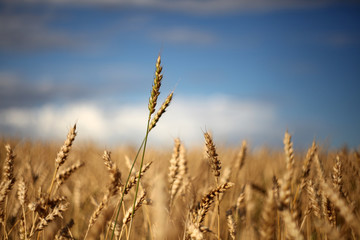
{"x":80,"y":191}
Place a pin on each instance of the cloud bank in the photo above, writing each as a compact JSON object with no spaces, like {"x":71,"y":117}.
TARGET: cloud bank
{"x":229,"y":120}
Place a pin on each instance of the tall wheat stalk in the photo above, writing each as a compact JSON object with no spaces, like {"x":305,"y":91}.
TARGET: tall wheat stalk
{"x":151,"y":123}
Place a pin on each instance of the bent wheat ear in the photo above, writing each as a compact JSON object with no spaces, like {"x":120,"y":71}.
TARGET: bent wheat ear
{"x":138,"y":204}
{"x":134,"y":179}
{"x":63,"y":176}
{"x":97,"y":213}
{"x":209,"y":199}
{"x":161,"y":111}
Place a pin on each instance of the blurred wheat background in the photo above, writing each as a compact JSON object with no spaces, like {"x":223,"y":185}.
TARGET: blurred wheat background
{"x":272,"y":194}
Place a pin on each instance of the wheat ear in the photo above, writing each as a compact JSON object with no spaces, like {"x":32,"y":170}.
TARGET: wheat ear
{"x":63,"y":155}
{"x":155,"y":91}
{"x":161,"y":111}
{"x":285,"y":191}
{"x":212,"y":155}
{"x":267,"y":227}
{"x":231,"y":224}
{"x":174,"y":164}
{"x":64,"y":175}
{"x":134,"y":179}
{"x":6,"y":184}
{"x":240,"y":157}
{"x":208,"y":199}
{"x":131,"y":211}
{"x":344,"y":210}
{"x":307,"y":165}
{"x":56,"y":212}
{"x":22,"y":196}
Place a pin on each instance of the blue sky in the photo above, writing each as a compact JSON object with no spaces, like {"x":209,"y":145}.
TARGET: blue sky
{"x":241,"y":69}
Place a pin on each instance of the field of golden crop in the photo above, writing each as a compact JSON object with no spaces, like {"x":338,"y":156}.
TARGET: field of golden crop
{"x":80,"y":191}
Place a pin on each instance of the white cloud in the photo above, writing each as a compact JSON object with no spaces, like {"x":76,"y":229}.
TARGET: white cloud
{"x":186,"y":118}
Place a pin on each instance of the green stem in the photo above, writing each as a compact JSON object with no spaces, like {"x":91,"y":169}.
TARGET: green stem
{"x":141,"y":164}
{"x":126,"y":183}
